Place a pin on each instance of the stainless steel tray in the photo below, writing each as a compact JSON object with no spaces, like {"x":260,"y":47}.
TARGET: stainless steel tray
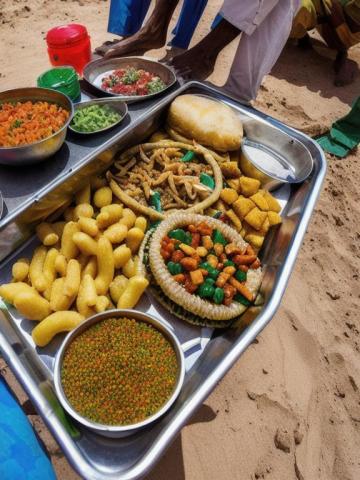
{"x":213,"y":354}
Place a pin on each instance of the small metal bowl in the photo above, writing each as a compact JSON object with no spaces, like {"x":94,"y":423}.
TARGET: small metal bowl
{"x":273,"y":169}
{"x":94,"y":71}
{"x":121,"y":430}
{"x":41,"y":150}
{"x":115,"y":103}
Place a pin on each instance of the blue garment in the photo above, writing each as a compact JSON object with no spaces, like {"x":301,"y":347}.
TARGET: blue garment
{"x":126,"y":16}
{"x":21,"y":456}
{"x":189,"y":17}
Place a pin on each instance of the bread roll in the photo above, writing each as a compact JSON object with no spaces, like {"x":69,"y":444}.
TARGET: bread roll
{"x":208,"y":122}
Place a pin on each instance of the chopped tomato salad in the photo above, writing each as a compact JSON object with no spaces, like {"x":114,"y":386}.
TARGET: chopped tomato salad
{"x":23,"y":123}
{"x":130,"y":82}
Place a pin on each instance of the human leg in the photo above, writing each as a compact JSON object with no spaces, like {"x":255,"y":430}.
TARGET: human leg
{"x":189,"y":17}
{"x":151,"y":35}
{"x":258,"y":52}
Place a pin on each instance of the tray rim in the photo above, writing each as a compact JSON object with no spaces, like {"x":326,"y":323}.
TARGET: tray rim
{"x":154,"y":452}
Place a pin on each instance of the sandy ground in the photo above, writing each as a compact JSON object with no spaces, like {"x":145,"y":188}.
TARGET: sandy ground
{"x":290,"y":407}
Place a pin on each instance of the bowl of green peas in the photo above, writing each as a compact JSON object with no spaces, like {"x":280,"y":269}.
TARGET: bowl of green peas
{"x":99,"y":115}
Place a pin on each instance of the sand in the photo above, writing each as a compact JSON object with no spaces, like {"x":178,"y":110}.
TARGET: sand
{"x":290,"y":407}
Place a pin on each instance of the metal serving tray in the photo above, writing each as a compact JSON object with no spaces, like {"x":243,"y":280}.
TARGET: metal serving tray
{"x":213,"y":353}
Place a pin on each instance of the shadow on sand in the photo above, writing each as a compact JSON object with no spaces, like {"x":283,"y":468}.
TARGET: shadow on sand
{"x":313,"y":69}
{"x":171,"y":466}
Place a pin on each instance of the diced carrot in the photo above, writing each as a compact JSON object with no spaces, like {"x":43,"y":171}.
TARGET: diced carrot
{"x":244,"y":259}
{"x":241,"y":288}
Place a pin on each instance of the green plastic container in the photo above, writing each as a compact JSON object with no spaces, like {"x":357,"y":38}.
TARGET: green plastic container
{"x":62,"y":79}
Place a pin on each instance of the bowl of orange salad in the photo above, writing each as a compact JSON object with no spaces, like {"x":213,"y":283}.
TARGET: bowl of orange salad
{"x":33,"y":124}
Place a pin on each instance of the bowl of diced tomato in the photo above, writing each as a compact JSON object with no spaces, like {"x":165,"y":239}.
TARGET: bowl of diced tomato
{"x":33,"y":124}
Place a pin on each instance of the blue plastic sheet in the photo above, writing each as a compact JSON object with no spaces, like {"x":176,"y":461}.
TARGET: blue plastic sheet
{"x":21,"y":456}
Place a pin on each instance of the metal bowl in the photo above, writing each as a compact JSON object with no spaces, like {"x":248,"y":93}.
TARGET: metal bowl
{"x":272,"y":169}
{"x":94,"y":71}
{"x":116,"y":103}
{"x":121,"y":430}
{"x":38,"y":151}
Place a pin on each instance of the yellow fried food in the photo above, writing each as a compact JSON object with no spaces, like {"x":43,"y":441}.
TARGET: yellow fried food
{"x":88,"y":226}
{"x":97,"y":182}
{"x":255,"y":218}
{"x":130,"y":267}
{"x":229,"y":195}
{"x":49,"y":268}
{"x":133,"y":291}
{"x":102,"y":303}
{"x":260,"y":201}
{"x":102,"y":197}
{"x":109,"y":214}
{"x":72,"y":278}
{"x":117,"y":287}
{"x":46,"y":234}
{"x":90,"y":268}
{"x":106,"y":267}
{"x":8,"y":291}
{"x":36,"y":275}
{"x":87,"y":296}
{"x":274,"y":218}
{"x":242,"y":206}
{"x":128,"y":218}
{"x":235,"y":219}
{"x":116,"y":233}
{"x":68,"y":247}
{"x":32,"y":305}
{"x":83,"y":210}
{"x":134,"y":238}
{"x":58,"y":228}
{"x":86,"y":244}
{"x":122,"y":255}
{"x":141,"y":223}
{"x":255,"y":240}
{"x":83,"y":195}
{"x":234,"y":183}
{"x":62,"y":321}
{"x":230,"y":169}
{"x":61,"y":264}
{"x":249,"y":186}
{"x":58,"y":299}
{"x":273,"y":204}
{"x":20,"y":269}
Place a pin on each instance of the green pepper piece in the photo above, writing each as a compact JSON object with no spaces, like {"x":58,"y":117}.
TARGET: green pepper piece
{"x":213,"y":272}
{"x":174,"y":268}
{"x":188,"y":238}
{"x":189,"y":155}
{"x":217,"y":214}
{"x":218,"y":296}
{"x":206,"y":290}
{"x":155,"y":201}
{"x":241,"y":276}
{"x":229,"y":263}
{"x":209,"y":280}
{"x":207,"y":180}
{"x":178,"y":234}
{"x":218,"y":237}
{"x":241,"y":299}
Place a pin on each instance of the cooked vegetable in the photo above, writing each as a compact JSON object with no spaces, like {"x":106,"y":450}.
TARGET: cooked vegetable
{"x":93,"y":118}
{"x":130,"y":81}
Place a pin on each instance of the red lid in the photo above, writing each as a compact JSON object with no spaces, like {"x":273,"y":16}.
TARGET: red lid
{"x":66,"y":35}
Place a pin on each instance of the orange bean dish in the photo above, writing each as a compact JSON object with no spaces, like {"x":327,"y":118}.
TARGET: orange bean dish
{"x":23,"y":123}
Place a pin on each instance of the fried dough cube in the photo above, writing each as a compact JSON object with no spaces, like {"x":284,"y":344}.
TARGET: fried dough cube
{"x":234,"y":183}
{"x":220,"y":205}
{"x":229,"y":195}
{"x":243,"y":206}
{"x":265,"y":226}
{"x":273,"y":204}
{"x":255,"y":218}
{"x":230,"y":169}
{"x":255,"y":240}
{"x":260,"y":201}
{"x":274,"y":218}
{"x":249,"y":186}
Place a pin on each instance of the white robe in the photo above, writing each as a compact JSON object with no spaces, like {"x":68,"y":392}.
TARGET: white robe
{"x":265,"y":26}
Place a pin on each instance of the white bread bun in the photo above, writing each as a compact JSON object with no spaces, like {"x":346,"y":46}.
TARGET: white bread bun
{"x":208,"y":122}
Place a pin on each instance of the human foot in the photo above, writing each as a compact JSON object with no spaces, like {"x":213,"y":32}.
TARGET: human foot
{"x":345,"y":70}
{"x":144,"y":40}
{"x":194,"y":64}
{"x":107,"y":46}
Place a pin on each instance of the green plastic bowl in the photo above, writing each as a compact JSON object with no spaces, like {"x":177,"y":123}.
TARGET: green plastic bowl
{"x":61,"y":79}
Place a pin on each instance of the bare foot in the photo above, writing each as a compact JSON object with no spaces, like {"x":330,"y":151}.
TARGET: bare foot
{"x":194,"y":64}
{"x":345,"y":70}
{"x":107,"y":46}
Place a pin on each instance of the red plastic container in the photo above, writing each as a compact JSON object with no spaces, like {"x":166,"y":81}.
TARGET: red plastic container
{"x":69,"y":45}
